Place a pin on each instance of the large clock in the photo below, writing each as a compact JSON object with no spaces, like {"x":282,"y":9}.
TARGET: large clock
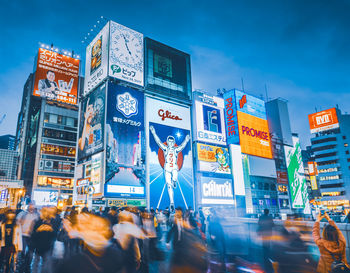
{"x":126,"y":47}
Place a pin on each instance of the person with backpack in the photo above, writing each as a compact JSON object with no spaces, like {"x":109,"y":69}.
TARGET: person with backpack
{"x":332,"y":246}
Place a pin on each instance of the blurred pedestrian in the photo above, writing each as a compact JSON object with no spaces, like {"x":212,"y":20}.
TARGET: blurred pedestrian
{"x":217,"y":238}
{"x":43,"y":240}
{"x":126,"y":235}
{"x":112,"y":216}
{"x":265,"y":227}
{"x":26,"y":219}
{"x":332,"y":246}
{"x":98,"y":254}
{"x":11,"y":241}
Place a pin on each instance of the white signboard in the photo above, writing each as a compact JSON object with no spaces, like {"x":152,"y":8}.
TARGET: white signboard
{"x":126,"y":60}
{"x":210,"y":123}
{"x":237,"y":168}
{"x":96,"y":65}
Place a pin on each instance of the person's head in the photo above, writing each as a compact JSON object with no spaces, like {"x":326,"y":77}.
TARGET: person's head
{"x":125,"y":216}
{"x":178,"y":213}
{"x":330,"y":233}
{"x":170,"y":141}
{"x":10,"y":215}
{"x":50,"y":75}
{"x":266,"y":211}
{"x":31,"y":208}
{"x":84,"y":210}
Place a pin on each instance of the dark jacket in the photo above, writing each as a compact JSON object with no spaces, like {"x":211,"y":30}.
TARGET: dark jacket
{"x":110,"y":262}
{"x":265,"y":225}
{"x":43,"y":240}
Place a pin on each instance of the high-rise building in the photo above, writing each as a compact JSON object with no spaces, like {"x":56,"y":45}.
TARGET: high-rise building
{"x":330,"y":147}
{"x":47,"y":127}
{"x":7,"y":142}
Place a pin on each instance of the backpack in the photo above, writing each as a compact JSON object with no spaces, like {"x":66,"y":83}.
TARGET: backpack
{"x":338,"y":266}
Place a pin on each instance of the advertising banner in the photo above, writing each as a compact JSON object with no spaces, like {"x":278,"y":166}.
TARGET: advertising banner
{"x":216,"y":191}
{"x":250,"y":105}
{"x":126,"y":61}
{"x":323,"y":121}
{"x":91,"y":126}
{"x":297,"y":182}
{"x":56,"y":77}
{"x":282,"y":177}
{"x":313,"y":182}
{"x":96,"y":173}
{"x":254,"y":135}
{"x":45,"y":198}
{"x":125,"y":127}
{"x":169,"y":155}
{"x":210,"y":124}
{"x":231,"y":121}
{"x":213,"y":159}
{"x":96,"y":66}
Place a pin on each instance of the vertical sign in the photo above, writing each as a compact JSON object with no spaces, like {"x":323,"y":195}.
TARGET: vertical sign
{"x":231,"y":121}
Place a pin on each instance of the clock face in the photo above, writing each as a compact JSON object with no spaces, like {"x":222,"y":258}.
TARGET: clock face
{"x":127,"y":47}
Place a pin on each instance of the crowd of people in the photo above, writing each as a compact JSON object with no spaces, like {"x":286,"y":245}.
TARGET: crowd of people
{"x":136,"y":240}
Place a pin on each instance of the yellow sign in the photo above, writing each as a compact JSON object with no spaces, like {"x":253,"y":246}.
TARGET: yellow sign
{"x":313,"y":182}
{"x":208,"y":152}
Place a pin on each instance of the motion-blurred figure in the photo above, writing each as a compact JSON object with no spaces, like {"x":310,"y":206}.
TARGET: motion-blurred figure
{"x":265,"y":226}
{"x":126,"y":234}
{"x":189,"y":254}
{"x":332,"y":246}
{"x":27,"y":219}
{"x":11,"y":241}
{"x":98,"y":254}
{"x":217,"y":239}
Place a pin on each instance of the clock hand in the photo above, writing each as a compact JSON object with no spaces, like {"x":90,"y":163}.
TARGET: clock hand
{"x":126,"y":44}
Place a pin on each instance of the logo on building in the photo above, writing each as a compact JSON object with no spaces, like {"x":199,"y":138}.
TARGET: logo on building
{"x":167,"y":114}
{"x":242,"y":101}
{"x":127,"y":105}
{"x":211,"y":119}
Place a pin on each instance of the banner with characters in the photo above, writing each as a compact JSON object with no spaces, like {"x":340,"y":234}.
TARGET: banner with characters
{"x":125,"y":127}
{"x":169,"y":155}
{"x":213,"y":159}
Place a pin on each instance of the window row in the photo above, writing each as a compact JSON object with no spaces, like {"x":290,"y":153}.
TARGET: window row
{"x":58,"y":119}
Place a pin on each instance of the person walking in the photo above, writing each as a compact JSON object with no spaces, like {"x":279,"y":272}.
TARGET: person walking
{"x":11,"y":241}
{"x":265,"y":227}
{"x":26,"y":219}
{"x":332,"y":245}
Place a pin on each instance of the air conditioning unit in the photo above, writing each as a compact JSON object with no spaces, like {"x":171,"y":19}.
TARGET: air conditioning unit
{"x":48,"y":164}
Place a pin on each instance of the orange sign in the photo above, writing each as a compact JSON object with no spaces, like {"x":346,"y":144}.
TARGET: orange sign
{"x":254,"y":135}
{"x":323,"y":121}
{"x":312,"y":168}
{"x":56,"y":77}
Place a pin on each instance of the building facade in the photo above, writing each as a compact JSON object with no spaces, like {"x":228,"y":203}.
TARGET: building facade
{"x":8,"y":142}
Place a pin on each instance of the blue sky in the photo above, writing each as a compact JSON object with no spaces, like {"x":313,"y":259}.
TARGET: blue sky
{"x":298,"y":48}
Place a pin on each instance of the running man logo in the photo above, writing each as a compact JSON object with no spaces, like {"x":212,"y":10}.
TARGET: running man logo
{"x":242,"y":101}
{"x":212,"y":119}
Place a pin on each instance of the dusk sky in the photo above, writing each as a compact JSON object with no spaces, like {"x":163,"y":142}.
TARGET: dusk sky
{"x":299,"y":49}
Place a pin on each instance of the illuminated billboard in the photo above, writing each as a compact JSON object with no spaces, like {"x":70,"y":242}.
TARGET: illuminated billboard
{"x":213,"y":159}
{"x":254,"y":135}
{"x":92,"y":120}
{"x":126,"y":60}
{"x":45,"y":198}
{"x":210,"y":124}
{"x":250,"y":105}
{"x":297,"y":182}
{"x":216,"y":191}
{"x":124,"y":141}
{"x":56,"y":77}
{"x":96,"y":66}
{"x":313,"y":182}
{"x":323,"y":121}
{"x":169,"y":156}
{"x":231,"y":121}
{"x":96,"y":173}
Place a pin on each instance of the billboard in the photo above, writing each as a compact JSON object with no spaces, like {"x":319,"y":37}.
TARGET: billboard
{"x":169,"y":155}
{"x":313,"y":182}
{"x":237,"y":168}
{"x":125,"y":128}
{"x":91,"y":126}
{"x":231,"y":120}
{"x":297,"y":182}
{"x":323,"y":121}
{"x":250,"y":105}
{"x":210,"y":124}
{"x":213,"y":159}
{"x":56,"y":77}
{"x":96,"y":173}
{"x":254,"y":135}
{"x":96,"y":66}
{"x":45,"y":198}
{"x":216,"y":191}
{"x":126,"y":60}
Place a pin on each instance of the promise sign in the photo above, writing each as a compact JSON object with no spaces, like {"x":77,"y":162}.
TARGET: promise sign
{"x":231,"y":121}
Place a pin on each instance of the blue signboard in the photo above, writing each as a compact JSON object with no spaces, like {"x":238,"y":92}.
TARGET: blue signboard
{"x":170,"y":167}
{"x":212,"y":119}
{"x":250,"y":105}
{"x":231,"y":121}
{"x":125,"y":127}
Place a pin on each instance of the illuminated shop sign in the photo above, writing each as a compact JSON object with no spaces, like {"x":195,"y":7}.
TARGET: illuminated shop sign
{"x":216,"y":191}
{"x":330,"y":177}
{"x":231,"y":120}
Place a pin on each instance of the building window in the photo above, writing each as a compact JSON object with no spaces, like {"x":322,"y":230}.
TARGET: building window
{"x":70,"y":122}
{"x":53,"y":118}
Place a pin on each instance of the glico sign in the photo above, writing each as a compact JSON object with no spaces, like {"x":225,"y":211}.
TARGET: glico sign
{"x":231,"y":120}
